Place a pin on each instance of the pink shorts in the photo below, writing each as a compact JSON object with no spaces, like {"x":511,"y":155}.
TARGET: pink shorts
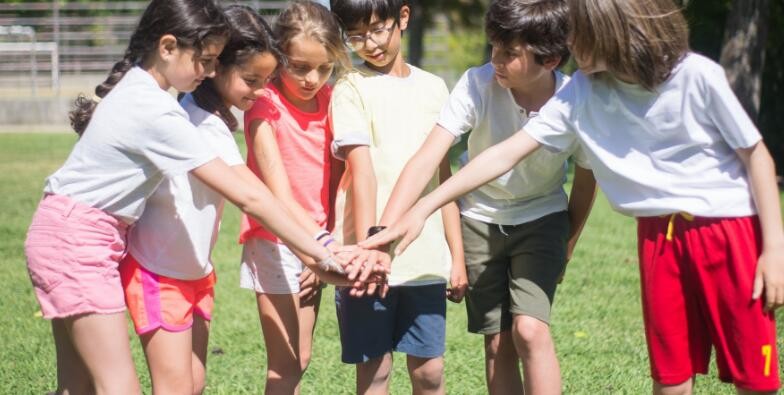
{"x":73,"y":251}
{"x":156,"y":301}
{"x":697,"y":275}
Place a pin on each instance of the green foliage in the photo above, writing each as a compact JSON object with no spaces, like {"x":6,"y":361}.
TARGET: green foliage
{"x":597,"y":323}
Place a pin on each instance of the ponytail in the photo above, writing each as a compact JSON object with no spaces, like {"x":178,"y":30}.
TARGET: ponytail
{"x":84,"y":106}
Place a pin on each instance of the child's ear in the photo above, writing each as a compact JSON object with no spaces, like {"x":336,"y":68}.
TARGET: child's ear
{"x":405,"y":13}
{"x":167,"y":44}
{"x":551,"y":62}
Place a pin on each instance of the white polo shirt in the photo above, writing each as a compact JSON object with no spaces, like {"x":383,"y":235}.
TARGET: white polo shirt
{"x":138,"y":135}
{"x":175,"y":235}
{"x":487,"y":112}
{"x":661,"y":152}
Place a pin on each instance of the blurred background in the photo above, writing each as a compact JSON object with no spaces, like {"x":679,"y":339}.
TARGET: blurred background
{"x":50,"y":51}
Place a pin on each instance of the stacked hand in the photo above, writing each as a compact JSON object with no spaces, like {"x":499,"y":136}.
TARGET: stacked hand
{"x":365,"y":271}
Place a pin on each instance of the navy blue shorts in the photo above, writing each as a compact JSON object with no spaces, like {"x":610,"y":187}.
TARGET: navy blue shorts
{"x":411,"y":320}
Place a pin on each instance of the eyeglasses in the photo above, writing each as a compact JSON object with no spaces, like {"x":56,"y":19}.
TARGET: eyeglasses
{"x":301,"y":70}
{"x":379,"y":36}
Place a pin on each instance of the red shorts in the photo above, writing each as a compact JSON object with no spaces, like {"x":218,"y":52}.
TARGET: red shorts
{"x":156,"y":301}
{"x":697,"y":275}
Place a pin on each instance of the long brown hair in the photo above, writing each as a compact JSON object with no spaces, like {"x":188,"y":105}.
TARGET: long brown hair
{"x":314,"y":21}
{"x":250,"y":35}
{"x":638,"y":39}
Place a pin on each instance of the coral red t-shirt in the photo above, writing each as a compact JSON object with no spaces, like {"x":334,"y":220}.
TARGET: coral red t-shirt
{"x":304,"y":141}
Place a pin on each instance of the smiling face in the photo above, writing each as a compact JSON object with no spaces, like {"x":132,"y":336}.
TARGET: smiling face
{"x":309,"y":68}
{"x":379,"y":40}
{"x":241,"y":85}
{"x":515,"y":66}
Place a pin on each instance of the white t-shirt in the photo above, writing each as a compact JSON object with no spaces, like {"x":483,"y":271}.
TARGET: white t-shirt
{"x":656,"y":153}
{"x":392,"y":116}
{"x":534,"y":187}
{"x":175,"y":235}
{"x":138,"y":134}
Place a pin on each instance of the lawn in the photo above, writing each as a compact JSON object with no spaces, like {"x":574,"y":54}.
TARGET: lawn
{"x":597,"y":322}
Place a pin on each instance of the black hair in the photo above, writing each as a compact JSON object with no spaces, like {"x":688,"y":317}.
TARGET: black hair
{"x":250,"y":35}
{"x":542,"y":25}
{"x":192,"y":22}
{"x":353,"y":13}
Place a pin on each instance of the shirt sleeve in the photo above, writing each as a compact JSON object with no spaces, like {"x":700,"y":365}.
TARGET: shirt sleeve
{"x":174,"y":146}
{"x":552,"y":127}
{"x":458,"y":116}
{"x":726,"y":112}
{"x":349,"y":118}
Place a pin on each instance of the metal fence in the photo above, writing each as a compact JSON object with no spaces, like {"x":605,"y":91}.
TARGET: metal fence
{"x":54,"y":47}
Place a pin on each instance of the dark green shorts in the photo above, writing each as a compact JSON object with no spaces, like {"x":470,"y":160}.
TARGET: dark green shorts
{"x":512,"y":269}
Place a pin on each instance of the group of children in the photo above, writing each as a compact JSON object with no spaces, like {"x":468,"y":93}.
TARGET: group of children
{"x":129,"y":221}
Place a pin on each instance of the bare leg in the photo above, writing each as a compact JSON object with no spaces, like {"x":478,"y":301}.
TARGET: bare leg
{"x":102,"y":342}
{"x":534,"y":345}
{"x":684,"y":388}
{"x":200,"y":340}
{"x":72,"y":376}
{"x":373,"y":376}
{"x":308,"y":314}
{"x":502,"y":369}
{"x":281,"y":329}
{"x":170,"y":362}
{"x":427,"y":375}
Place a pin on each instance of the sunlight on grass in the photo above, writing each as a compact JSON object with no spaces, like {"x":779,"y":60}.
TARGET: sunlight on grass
{"x":597,"y":322}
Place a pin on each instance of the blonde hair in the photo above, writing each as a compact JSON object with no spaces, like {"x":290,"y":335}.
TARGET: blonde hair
{"x":314,"y":21}
{"x":638,"y":39}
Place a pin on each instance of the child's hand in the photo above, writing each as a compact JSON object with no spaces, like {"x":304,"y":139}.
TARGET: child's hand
{"x":309,"y":285}
{"x":406,"y":230}
{"x":770,"y":278}
{"x":458,"y":282}
{"x":369,"y":273}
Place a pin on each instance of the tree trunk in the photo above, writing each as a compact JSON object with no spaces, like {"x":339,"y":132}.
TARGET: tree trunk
{"x":743,"y":51}
{"x":416,"y":33}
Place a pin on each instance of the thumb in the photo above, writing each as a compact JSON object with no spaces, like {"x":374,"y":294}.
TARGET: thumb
{"x":759,"y":284}
{"x":380,"y":239}
{"x":404,"y":242}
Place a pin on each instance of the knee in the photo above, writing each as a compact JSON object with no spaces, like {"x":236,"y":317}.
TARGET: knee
{"x":199,"y":383}
{"x":530,"y":333}
{"x":304,"y":360}
{"x":429,"y":376}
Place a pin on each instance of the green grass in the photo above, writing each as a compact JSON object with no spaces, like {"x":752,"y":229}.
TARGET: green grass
{"x":597,"y":323}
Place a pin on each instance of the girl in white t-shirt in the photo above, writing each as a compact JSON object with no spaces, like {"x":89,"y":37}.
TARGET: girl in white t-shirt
{"x":669,"y":144}
{"x":288,"y":139}
{"x":168,"y":276}
{"x":135,"y":137}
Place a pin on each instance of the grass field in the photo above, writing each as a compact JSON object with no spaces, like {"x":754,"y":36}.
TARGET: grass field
{"x":597,"y":321}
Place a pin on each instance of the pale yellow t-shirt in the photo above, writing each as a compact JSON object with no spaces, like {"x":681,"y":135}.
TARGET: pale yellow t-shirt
{"x":392,"y":116}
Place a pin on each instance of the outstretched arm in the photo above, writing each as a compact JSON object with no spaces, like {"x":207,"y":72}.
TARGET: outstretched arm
{"x":416,"y":174}
{"x":770,"y":267}
{"x":488,"y":165}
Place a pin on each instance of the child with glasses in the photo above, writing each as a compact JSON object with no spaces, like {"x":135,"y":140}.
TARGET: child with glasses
{"x":381,"y":113}
{"x":288,"y":139}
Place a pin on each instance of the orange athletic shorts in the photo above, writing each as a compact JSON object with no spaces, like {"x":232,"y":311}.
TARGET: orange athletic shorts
{"x":156,"y":301}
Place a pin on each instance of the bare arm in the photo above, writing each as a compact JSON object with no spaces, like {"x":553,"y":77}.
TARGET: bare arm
{"x":363,"y":189}
{"x":250,"y":179}
{"x":270,"y":164}
{"x":580,"y":203}
{"x":770,"y":267}
{"x":488,"y":165}
{"x":450,"y":215}
{"x":416,"y":174}
{"x":258,"y":202}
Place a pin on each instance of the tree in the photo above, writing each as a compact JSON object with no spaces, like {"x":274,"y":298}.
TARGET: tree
{"x":459,"y":13}
{"x":743,"y":51}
